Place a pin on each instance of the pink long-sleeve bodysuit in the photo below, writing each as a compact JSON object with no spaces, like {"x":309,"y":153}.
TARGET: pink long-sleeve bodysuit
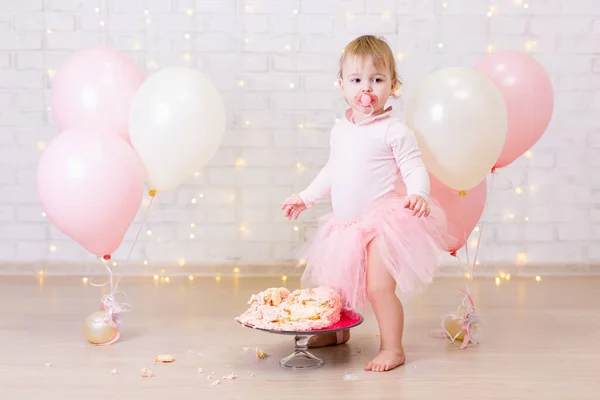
{"x":362,"y":175}
{"x":365,"y":162}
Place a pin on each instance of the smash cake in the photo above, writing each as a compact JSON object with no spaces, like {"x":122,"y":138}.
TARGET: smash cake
{"x":301,"y":310}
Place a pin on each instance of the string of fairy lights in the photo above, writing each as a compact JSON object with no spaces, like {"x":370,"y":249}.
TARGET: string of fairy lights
{"x":147,"y":44}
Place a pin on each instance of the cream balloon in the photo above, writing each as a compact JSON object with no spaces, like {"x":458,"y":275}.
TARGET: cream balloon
{"x":460,"y":120}
{"x":176,"y":125}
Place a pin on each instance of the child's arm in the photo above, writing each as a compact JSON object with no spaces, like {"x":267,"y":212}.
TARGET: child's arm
{"x":408,"y":158}
{"x":320,"y":187}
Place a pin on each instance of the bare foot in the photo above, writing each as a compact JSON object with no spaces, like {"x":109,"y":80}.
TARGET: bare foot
{"x":386,"y":360}
{"x":327,"y":339}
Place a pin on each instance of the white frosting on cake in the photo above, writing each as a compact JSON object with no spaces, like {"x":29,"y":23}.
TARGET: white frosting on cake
{"x":300,"y":310}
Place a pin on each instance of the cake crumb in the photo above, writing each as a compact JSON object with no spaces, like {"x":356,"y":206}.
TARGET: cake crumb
{"x":215,"y":383}
{"x":231,"y":376}
{"x":48,"y":364}
{"x":261,"y":354}
{"x":200,"y":370}
{"x":147,"y":373}
{"x":114,"y":372}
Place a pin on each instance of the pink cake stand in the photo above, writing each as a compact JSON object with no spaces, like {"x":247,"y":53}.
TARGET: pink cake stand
{"x":301,"y":358}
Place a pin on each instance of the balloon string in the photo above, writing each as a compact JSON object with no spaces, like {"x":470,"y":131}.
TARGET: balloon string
{"x":141,"y":227}
{"x":487,"y":201}
{"x":464,"y":231}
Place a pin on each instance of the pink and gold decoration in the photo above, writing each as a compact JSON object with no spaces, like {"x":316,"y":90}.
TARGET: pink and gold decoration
{"x":464,"y":325}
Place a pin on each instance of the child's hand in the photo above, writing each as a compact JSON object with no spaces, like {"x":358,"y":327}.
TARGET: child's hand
{"x":418,"y":205}
{"x":293,"y":206}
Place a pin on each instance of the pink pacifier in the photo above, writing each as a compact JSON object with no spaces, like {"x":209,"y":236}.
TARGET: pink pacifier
{"x":366,"y":100}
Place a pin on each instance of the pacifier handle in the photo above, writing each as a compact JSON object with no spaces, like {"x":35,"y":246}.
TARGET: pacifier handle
{"x":365,"y":100}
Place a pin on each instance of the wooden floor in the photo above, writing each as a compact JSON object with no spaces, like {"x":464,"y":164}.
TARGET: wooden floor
{"x":541,"y":341}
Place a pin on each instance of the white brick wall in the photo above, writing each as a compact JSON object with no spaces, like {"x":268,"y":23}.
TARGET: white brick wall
{"x":268,"y":45}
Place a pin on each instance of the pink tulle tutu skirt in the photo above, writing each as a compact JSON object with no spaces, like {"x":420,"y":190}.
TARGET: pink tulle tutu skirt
{"x":411,"y":249}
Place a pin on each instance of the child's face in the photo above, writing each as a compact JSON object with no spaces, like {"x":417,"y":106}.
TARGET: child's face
{"x":362,"y":76}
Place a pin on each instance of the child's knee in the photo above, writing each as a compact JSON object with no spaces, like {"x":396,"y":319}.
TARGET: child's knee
{"x":376,"y":292}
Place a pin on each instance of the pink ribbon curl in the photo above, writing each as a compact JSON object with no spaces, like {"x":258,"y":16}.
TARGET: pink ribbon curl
{"x":470,"y":322}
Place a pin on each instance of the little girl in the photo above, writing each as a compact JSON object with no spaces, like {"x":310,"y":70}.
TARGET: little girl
{"x":379,"y":234}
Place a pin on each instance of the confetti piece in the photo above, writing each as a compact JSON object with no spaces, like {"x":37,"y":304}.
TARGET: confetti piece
{"x":164,"y":358}
{"x":261,"y":354}
{"x":215,"y":383}
{"x":48,"y":364}
{"x":230,"y":377}
{"x":200,"y":370}
{"x":114,"y":372}
{"x":350,"y":377}
{"x":147,"y":373}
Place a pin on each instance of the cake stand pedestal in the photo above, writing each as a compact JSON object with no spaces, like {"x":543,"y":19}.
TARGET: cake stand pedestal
{"x":301,"y":358}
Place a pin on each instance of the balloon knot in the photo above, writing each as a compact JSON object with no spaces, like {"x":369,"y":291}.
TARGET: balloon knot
{"x":106,"y":257}
{"x":462,"y":193}
{"x":453,"y":253}
{"x":152,"y":193}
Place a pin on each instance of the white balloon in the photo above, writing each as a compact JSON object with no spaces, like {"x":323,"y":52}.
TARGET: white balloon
{"x":460,"y":120}
{"x":176,"y":125}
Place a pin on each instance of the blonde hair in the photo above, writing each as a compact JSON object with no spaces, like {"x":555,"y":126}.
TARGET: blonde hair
{"x":377,"y":48}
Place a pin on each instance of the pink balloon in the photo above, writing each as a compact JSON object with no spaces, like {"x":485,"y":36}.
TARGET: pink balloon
{"x":528,"y":95}
{"x":95,"y":89}
{"x":462,"y":213}
{"x":91,"y":184}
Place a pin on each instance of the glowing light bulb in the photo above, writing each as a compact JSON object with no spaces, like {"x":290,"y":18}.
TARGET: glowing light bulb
{"x":97,"y":10}
{"x":167,"y":279}
{"x":507,"y":277}
{"x":197,"y":174}
{"x":241,"y":83}
{"x":44,"y":214}
{"x":522,"y":258}
{"x":526,"y":219}
{"x":156,"y":277}
{"x":41,"y":273}
{"x":538,"y":278}
{"x":295,"y":12}
{"x":299,"y":165}
{"x":477,"y":229}
{"x":400,"y":57}
{"x":336,"y":84}
{"x":440,"y":45}
{"x":518,"y":190}
{"x":182,"y":262}
{"x":525,"y":5}
{"x":102,"y":23}
{"x":497,"y":280}
{"x":236,"y":270}
{"x":201,"y":195}
{"x":189,"y":12}
{"x":288,"y":47}
{"x":146,"y":12}
{"x":468,"y":275}
{"x":41,"y":145}
{"x":52,"y":248}
{"x":48,"y":30}
{"x":296,"y":229}
{"x":192,"y":225}
{"x":292,"y":86}
{"x":192,"y":236}
{"x":490,"y":48}
{"x":149,"y":232}
{"x":445,"y":5}
{"x":85,"y":281}
{"x":239,"y":163}
{"x":474,"y":243}
{"x":187,"y":36}
{"x":191,"y":277}
{"x":284,"y":278}
{"x":115,"y":264}
{"x":146,"y":262}
{"x":243,"y":228}
{"x":218,"y":278}
{"x":502,"y":275}
{"x":301,"y":126}
{"x":194,"y":201}
{"x":528,"y":154}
